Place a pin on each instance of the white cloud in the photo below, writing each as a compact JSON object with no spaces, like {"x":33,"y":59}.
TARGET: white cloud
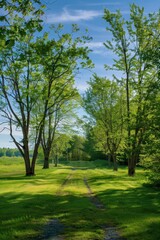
{"x":125,"y":12}
{"x":99,"y":52}
{"x":99,"y":48}
{"x":95,"y":45}
{"x":103,"y":52}
{"x":73,"y":16}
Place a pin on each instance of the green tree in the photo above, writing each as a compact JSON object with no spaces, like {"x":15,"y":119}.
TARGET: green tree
{"x":57,"y":123}
{"x":34,"y":74}
{"x":150,"y":155}
{"x":130,"y":43}
{"x":90,"y":142}
{"x":13,"y":14}
{"x":103,"y":101}
{"x":19,"y":78}
{"x":65,"y":57}
{"x":2,"y":152}
{"x":60,"y":147}
{"x":19,"y":73}
{"x":95,"y":143}
{"x":10,"y":152}
{"x":76,"y":151}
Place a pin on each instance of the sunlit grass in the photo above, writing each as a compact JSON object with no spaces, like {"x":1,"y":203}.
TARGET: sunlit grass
{"x":132,"y":206}
{"x":27,"y":203}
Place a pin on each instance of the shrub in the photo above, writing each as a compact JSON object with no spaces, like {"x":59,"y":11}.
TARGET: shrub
{"x":152,"y":164}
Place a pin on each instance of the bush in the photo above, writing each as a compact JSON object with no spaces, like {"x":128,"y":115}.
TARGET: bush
{"x":152,"y":164}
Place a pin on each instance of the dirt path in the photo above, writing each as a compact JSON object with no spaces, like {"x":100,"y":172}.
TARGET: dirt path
{"x":60,"y":190}
{"x":111,"y":233}
{"x":54,"y":229}
{"x":92,"y":196}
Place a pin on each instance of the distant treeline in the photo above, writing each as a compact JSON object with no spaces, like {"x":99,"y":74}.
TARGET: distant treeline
{"x":9,"y":152}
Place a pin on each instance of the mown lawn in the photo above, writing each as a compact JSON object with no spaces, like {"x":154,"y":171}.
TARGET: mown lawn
{"x":28,"y":203}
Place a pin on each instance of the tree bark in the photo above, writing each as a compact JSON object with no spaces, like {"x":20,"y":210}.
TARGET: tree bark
{"x":46,"y":161}
{"x":115,"y":167}
{"x":30,"y":170}
{"x":133,"y":159}
{"x":131,"y":167}
{"x":56,"y":161}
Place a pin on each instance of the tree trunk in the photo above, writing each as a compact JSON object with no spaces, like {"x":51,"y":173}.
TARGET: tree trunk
{"x":134,"y":155}
{"x":46,"y":162}
{"x":131,"y":167}
{"x":30,"y":170}
{"x":46,"y":153}
{"x":132,"y":163}
{"x":109,"y":160}
{"x":56,"y":160}
{"x":115,"y":167}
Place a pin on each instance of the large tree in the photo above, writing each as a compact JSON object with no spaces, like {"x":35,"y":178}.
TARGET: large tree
{"x":18,"y":70}
{"x":130,"y":43}
{"x":31,"y":71}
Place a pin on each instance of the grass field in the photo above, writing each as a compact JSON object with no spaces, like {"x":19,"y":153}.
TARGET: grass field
{"x":28,"y":203}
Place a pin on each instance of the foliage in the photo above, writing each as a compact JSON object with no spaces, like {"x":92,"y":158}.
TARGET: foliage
{"x":59,"y":148}
{"x":103,"y":101}
{"x":60,"y":121}
{"x":19,"y":73}
{"x":29,"y":63}
{"x":94,"y":146}
{"x":76,"y":150}
{"x":18,"y":18}
{"x":150,"y":157}
{"x":152,"y":165}
{"x":133,"y":68}
{"x":9,"y":152}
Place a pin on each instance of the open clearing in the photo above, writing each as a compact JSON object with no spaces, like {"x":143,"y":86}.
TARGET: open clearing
{"x":77,"y":201}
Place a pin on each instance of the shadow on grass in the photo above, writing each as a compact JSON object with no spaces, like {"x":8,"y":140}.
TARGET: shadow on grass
{"x":23,"y":216}
{"x":135,"y":210}
{"x":38,"y":179}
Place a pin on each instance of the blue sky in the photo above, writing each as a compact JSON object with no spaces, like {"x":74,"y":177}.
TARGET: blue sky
{"x":87,"y":14}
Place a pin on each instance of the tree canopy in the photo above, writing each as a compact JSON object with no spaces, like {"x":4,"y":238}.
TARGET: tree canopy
{"x":37,"y":87}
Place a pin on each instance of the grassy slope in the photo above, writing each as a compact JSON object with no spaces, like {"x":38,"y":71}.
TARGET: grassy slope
{"x":26,"y":204}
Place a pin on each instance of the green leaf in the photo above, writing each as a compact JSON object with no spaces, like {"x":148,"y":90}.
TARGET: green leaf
{"x":10,"y":42}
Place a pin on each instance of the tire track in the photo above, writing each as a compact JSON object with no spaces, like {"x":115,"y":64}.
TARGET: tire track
{"x":92,"y":196}
{"x":111,"y":232}
{"x":60,"y":189}
{"x":54,"y":228}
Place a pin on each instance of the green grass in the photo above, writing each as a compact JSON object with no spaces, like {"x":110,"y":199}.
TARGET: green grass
{"x":27,"y":203}
{"x":131,"y":205}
